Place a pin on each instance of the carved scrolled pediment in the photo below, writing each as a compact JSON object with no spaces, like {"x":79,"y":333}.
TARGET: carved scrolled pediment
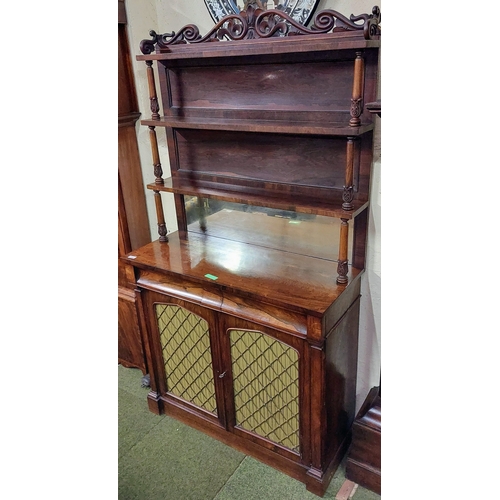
{"x":253,"y":23}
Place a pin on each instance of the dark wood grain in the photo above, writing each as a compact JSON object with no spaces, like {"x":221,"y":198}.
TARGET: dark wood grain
{"x":133,"y":224}
{"x":283,"y":87}
{"x":234,"y":154}
{"x":306,"y":284}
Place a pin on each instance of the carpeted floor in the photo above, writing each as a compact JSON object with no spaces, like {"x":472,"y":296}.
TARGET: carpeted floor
{"x":163,"y":459}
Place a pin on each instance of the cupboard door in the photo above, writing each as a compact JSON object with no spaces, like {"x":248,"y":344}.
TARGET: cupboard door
{"x":266,"y":387}
{"x":263,"y":386}
{"x":187,"y":355}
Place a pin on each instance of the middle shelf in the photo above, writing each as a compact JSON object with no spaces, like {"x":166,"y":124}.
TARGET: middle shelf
{"x":300,"y":205}
{"x":338,"y":128}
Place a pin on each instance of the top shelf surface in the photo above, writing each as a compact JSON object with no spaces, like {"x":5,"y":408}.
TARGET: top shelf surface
{"x":285,"y":45}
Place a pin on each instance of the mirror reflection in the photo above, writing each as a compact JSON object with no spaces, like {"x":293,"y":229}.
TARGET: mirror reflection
{"x":305,"y":234}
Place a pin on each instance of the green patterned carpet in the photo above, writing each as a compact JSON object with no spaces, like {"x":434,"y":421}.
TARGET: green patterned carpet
{"x":163,"y":459}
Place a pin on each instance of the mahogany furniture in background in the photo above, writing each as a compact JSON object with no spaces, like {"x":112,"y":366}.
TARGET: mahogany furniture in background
{"x":133,"y":225}
{"x":365,"y":459}
{"x":252,"y":307}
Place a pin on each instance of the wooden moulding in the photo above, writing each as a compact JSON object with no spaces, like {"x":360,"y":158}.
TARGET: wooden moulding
{"x":210,"y":297}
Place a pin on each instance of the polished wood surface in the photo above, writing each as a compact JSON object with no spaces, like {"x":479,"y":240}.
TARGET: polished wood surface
{"x":279,"y":275}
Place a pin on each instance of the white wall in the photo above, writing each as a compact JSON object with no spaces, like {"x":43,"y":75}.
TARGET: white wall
{"x":170,"y":15}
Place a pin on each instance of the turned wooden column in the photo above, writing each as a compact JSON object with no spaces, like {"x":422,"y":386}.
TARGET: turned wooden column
{"x":348,"y":193}
{"x":153,"y":98}
{"x":162,"y":227}
{"x":158,"y":171}
{"x":357,"y":90}
{"x":343,"y":261}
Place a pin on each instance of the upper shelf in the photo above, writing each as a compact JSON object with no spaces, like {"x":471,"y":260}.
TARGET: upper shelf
{"x":272,"y":126}
{"x":289,"y":45}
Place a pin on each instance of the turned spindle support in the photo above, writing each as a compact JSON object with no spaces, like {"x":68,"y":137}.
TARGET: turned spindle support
{"x":342,"y":267}
{"x":158,"y":171}
{"x":348,"y":194}
{"x":153,"y":98}
{"x":357,"y":90}
{"x":162,"y":227}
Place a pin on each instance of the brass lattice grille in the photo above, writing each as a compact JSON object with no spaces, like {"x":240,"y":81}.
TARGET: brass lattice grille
{"x":266,"y":387}
{"x":186,"y":351}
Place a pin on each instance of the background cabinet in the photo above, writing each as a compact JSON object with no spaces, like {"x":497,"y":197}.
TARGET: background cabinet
{"x":133,"y":225}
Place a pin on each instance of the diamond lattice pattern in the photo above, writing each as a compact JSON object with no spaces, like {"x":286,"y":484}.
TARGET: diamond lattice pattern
{"x":186,"y":350}
{"x":266,"y":387}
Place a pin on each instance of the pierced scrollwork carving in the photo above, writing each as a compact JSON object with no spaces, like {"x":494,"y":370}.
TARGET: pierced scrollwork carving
{"x":254,"y":22}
